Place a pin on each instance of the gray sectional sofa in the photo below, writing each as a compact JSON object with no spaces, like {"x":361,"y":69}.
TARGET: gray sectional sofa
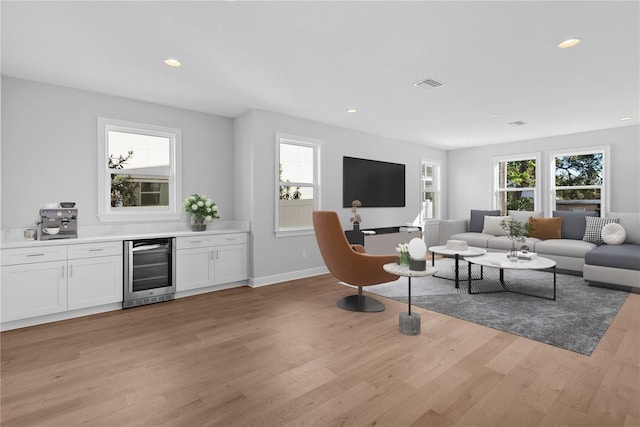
{"x":616,"y":266}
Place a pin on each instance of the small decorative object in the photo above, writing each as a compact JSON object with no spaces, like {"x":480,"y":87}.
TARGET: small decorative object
{"x":517,"y":231}
{"x":355,"y":219}
{"x":403,"y":254}
{"x":202,"y":210}
{"x":417,"y":252}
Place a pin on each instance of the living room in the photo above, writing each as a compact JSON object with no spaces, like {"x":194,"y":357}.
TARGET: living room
{"x":49,"y":141}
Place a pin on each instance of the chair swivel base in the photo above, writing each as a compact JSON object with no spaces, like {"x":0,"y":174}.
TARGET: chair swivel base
{"x":360,"y":303}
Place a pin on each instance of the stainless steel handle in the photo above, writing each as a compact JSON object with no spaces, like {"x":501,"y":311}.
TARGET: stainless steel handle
{"x":62,"y":269}
{"x":216,"y":254}
{"x":96,"y":250}
{"x":211,"y":253}
{"x":195,"y":241}
{"x":147,"y":248}
{"x":71,"y":270}
{"x":30,"y":255}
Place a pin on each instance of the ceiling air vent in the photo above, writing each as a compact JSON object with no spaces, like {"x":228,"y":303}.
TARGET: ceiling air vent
{"x":428,"y":83}
{"x":518,"y":123}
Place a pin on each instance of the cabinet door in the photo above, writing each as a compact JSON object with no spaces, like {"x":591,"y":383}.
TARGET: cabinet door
{"x":194,"y":268}
{"x":231,"y":263}
{"x":36,"y":289}
{"x":95,"y":281}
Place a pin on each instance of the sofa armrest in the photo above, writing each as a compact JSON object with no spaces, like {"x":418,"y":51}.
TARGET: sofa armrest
{"x":449,"y":227}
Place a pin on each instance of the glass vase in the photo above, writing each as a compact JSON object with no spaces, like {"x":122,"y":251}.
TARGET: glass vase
{"x":403,"y":259}
{"x":198,"y":224}
{"x":513,"y":252}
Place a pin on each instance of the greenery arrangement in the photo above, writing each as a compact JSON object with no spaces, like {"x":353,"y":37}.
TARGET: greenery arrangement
{"x":201,"y":208}
{"x":516,"y":230}
{"x":403,"y":253}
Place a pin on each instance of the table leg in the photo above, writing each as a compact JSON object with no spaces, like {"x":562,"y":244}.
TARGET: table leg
{"x":409,"y":300}
{"x":409,"y":322}
{"x":457,"y":271}
{"x":433,"y":259}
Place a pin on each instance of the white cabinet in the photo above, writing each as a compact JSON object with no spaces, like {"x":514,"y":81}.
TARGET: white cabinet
{"x":38,"y":281}
{"x":209,"y":260}
{"x":95,"y":274}
{"x":34,"y":282}
{"x":230,"y":258}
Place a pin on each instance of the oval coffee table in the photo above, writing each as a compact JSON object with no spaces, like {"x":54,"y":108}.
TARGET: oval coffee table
{"x":501,"y":261}
{"x":443,"y":250}
{"x":409,"y":322}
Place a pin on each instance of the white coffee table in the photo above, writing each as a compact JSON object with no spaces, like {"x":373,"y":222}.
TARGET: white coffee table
{"x":501,"y":260}
{"x":443,"y":250}
{"x":409,"y":322}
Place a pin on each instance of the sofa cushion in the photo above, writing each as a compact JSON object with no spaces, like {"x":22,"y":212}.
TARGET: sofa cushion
{"x":492,"y":225}
{"x":477,"y":240}
{"x":503,"y":243}
{"x":613,"y":234}
{"x":625,"y":256}
{"x":593,"y":230}
{"x":523,"y":216}
{"x":631,"y":223}
{"x":476,"y":222}
{"x":546,"y":228}
{"x":564,"y":247}
{"x":573,"y":223}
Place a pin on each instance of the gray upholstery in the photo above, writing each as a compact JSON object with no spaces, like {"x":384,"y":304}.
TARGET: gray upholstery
{"x":564,"y":247}
{"x":573,"y":223}
{"x":476,"y":222}
{"x":477,"y":240}
{"x":626,"y":256}
{"x":631,"y":224}
{"x":503,"y":243}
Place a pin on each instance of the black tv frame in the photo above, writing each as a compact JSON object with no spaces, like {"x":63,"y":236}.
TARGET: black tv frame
{"x":377,"y":184}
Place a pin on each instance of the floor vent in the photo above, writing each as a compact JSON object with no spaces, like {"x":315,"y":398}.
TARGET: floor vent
{"x":428,"y":83}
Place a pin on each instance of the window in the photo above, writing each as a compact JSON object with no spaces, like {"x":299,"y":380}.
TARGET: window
{"x":516,"y":183}
{"x":430,"y":189}
{"x":139,"y":171}
{"x":297,"y":192}
{"x":579,"y":179}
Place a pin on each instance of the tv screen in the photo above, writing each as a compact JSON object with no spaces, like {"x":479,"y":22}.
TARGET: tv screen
{"x":376,"y":184}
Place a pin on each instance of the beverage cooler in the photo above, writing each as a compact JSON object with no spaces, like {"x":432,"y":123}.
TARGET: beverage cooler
{"x":149,"y":271}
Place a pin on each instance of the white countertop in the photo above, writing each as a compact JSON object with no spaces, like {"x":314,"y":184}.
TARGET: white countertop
{"x":14,"y":238}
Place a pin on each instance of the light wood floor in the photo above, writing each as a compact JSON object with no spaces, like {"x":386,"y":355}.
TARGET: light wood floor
{"x":285,"y":355}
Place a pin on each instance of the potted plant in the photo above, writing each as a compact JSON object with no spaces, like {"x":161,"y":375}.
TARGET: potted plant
{"x":517,"y":231}
{"x":202,"y":209}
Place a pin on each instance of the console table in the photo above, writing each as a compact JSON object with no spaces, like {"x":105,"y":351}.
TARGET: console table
{"x":382,"y":241}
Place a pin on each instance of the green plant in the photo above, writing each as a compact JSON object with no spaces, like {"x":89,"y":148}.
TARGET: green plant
{"x":201,"y":207}
{"x":123,"y":188}
{"x":516,"y":230}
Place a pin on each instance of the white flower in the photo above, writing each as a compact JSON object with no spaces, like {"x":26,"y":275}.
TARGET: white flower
{"x":194,"y":207}
{"x":200,"y":203}
{"x":208,"y":218}
{"x":214,"y":208}
{"x":207,"y":203}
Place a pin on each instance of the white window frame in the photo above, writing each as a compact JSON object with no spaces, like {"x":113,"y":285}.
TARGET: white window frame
{"x":604,"y":188}
{"x":437,"y":213}
{"x":139,"y":213}
{"x":316,"y":145}
{"x":537,"y":156}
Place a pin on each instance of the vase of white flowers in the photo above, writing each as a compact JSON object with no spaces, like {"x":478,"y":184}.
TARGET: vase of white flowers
{"x":202,"y":210}
{"x":403,"y":254}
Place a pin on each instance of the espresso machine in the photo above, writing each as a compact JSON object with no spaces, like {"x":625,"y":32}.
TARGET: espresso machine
{"x":58,"y":223}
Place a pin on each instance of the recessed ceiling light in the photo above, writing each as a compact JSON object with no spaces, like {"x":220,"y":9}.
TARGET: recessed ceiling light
{"x":352,"y":110}
{"x":622,"y":119}
{"x":172,"y":62}
{"x":569,"y":43}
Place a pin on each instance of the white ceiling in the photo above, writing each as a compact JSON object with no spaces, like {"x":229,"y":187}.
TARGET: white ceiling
{"x":499,"y":61}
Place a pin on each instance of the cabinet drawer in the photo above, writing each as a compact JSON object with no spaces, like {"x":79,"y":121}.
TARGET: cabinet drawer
{"x":194,"y":242}
{"x":230,"y":239}
{"x":90,"y":250}
{"x":33,"y":255}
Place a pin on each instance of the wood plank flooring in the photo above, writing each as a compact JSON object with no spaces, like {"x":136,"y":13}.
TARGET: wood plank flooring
{"x":285,"y":355}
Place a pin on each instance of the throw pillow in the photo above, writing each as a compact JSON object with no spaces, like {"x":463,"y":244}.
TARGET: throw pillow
{"x":523,"y":216}
{"x":546,"y":228}
{"x":573,"y":223}
{"x":492,"y":225}
{"x":476,"y":222}
{"x":613,"y":234}
{"x":593,"y":231}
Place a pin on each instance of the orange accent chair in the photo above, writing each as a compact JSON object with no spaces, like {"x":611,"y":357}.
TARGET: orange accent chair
{"x":350,"y":263}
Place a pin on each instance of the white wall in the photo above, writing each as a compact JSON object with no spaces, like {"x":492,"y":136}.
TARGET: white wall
{"x":254,"y":136}
{"x":49,"y":149}
{"x":470,"y":179}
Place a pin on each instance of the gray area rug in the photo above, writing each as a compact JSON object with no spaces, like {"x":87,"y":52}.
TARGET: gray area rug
{"x":576,"y":321}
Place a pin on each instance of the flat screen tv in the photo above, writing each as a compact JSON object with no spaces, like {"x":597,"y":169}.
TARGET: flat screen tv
{"x":376,"y":184}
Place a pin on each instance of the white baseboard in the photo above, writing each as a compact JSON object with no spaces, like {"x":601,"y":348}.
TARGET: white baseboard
{"x":256,"y":282}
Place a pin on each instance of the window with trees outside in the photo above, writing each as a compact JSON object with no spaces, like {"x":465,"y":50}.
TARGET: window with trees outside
{"x":579,"y":180}
{"x":298,"y":185}
{"x":516,"y":183}
{"x":430,"y":189}
{"x":138,"y":166}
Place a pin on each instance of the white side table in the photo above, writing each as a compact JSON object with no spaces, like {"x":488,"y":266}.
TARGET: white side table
{"x":409,"y":322}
